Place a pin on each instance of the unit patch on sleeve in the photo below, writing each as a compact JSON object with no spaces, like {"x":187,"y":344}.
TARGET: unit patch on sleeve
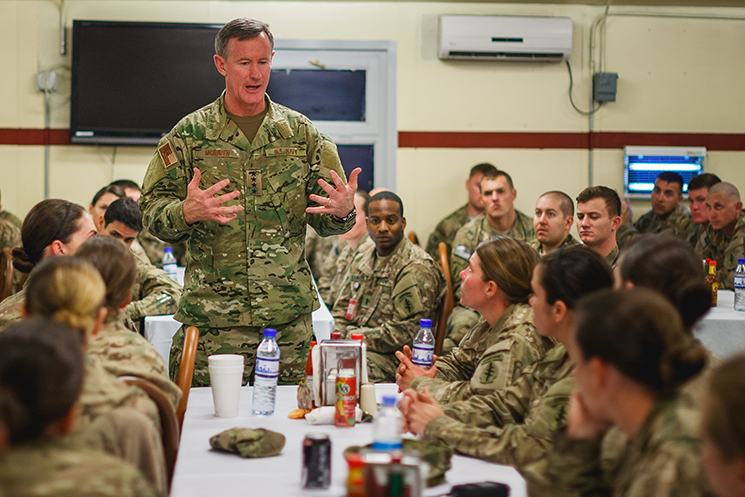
{"x":167,"y":155}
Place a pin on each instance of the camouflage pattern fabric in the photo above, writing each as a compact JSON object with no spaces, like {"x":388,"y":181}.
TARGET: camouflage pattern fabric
{"x":697,"y":234}
{"x":445,"y":232}
{"x":103,"y":392}
{"x":293,"y":339}
{"x":489,"y":358}
{"x":514,"y":426}
{"x":725,"y":249}
{"x":250,"y":272}
{"x":54,"y":468}
{"x":152,"y":246}
{"x":677,"y":223}
{"x":613,"y":258}
{"x":248,"y":442}
{"x":476,"y":231}
{"x":10,"y":235}
{"x":154,"y":292}
{"x":125,"y":353}
{"x":317,"y":249}
{"x":9,"y":216}
{"x":10,"y":309}
{"x":460,"y":322}
{"x":392,"y":296}
{"x":663,"y":459}
{"x":569,"y":241}
{"x":335,"y":268}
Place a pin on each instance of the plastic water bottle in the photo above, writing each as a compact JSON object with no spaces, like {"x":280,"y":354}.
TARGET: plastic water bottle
{"x":266,"y":373}
{"x":388,"y":427}
{"x":424,"y":345}
{"x":169,"y":263}
{"x":740,"y":285}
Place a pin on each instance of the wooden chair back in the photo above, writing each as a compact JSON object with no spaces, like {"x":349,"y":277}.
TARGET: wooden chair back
{"x":6,"y":273}
{"x":186,"y":370}
{"x":169,"y":425}
{"x":413,"y":238}
{"x":448,"y":302}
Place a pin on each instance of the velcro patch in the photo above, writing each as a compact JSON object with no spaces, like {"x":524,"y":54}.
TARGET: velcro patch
{"x":167,"y":155}
{"x":294,"y":151}
{"x":462,"y":252}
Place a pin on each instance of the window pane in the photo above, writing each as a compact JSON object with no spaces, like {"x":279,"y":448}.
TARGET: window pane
{"x":322,"y":95}
{"x":358,"y":156}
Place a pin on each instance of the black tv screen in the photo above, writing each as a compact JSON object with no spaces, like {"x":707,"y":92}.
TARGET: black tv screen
{"x":133,"y":81}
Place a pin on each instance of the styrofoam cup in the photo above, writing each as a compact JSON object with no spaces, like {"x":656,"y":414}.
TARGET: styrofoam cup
{"x":226,"y":377}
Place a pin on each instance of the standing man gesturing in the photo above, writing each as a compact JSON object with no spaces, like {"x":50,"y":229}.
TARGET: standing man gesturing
{"x":234,"y":180}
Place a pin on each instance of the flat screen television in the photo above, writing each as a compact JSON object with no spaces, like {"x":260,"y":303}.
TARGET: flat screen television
{"x":133,"y":81}
{"x":642,"y":165}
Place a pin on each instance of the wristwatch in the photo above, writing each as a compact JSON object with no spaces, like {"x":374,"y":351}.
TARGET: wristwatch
{"x":346,"y":218}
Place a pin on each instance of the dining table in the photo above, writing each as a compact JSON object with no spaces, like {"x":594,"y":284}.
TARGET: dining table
{"x":722,"y":329}
{"x":202,"y":471}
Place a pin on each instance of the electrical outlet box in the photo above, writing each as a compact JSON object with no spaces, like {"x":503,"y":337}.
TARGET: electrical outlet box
{"x":604,"y":86}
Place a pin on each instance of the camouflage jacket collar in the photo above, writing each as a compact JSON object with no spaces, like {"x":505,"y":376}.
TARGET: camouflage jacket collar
{"x":367,"y":265}
{"x":516,"y":313}
{"x":275,"y":126}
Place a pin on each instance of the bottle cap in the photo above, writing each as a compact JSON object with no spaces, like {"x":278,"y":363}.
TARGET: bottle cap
{"x":741,"y":261}
{"x":336,"y":335}
{"x":270,"y":333}
{"x":357,"y":336}
{"x":425,"y":323}
{"x":389,"y":400}
{"x":713,"y":263}
{"x":313,"y":343}
{"x":168,"y":249}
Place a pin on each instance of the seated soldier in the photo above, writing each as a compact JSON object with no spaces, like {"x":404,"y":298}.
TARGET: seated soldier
{"x":41,"y":375}
{"x":504,"y":342}
{"x":348,"y":244}
{"x":554,"y":217}
{"x":666,"y":216}
{"x":598,"y":218}
{"x":151,"y":245}
{"x":101,"y":201}
{"x":448,"y":227}
{"x":724,"y":240}
{"x":500,"y":218}
{"x":154,"y":292}
{"x":390,"y":286}
{"x":698,"y":187}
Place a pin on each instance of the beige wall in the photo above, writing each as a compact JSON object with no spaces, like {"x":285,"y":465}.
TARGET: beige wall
{"x":676,"y":75}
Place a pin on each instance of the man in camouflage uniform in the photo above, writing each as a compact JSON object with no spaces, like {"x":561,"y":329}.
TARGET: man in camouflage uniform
{"x":667,"y":216}
{"x":598,"y":219}
{"x":724,"y":239}
{"x":246,"y":267}
{"x":698,"y":188}
{"x":154,"y":292}
{"x":317,"y":249}
{"x":500,"y":218}
{"x":390,"y":286}
{"x":337,"y":263}
{"x":448,"y":227}
{"x":553,"y":218}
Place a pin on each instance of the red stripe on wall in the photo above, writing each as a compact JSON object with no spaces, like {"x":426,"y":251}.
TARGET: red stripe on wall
{"x":424,"y":139}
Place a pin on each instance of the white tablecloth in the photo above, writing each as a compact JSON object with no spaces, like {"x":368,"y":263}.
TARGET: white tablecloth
{"x":159,"y":330}
{"x":722,"y":330}
{"x":201,"y":471}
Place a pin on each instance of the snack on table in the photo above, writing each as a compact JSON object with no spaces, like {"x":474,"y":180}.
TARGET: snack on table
{"x":298,"y":413}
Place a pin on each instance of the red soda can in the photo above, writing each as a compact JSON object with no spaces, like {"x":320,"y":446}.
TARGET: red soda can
{"x":346,"y":398}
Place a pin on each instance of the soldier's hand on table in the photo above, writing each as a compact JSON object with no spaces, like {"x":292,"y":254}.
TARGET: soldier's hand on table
{"x":202,"y":205}
{"x":422,"y":409}
{"x":340,"y":201}
{"x":407,"y":370}
{"x":581,"y":423}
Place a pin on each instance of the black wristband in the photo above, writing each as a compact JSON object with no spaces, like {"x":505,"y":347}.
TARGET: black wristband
{"x":346,"y":218}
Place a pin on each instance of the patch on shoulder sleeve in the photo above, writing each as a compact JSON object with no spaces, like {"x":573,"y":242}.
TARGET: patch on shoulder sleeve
{"x":406,"y":297}
{"x":167,"y":155}
{"x":462,"y":252}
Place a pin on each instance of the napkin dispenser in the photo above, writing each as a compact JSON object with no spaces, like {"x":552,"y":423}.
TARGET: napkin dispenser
{"x":332,"y":357}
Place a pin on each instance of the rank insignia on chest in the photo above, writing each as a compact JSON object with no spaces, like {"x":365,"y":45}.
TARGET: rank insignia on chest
{"x":253,"y":181}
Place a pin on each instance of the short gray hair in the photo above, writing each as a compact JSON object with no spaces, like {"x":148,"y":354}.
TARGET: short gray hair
{"x":729,"y":190}
{"x":243,"y":29}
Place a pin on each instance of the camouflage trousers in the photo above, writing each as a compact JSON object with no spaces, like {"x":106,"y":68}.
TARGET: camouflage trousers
{"x":381,"y":368}
{"x":461,"y":320}
{"x":293,"y":339}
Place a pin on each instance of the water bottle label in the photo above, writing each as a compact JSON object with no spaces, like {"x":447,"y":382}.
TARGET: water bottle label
{"x":740,"y":281}
{"x":267,"y":368}
{"x":422,"y":355}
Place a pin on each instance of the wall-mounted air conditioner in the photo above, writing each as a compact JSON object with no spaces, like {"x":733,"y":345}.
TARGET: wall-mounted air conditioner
{"x":505,"y":38}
